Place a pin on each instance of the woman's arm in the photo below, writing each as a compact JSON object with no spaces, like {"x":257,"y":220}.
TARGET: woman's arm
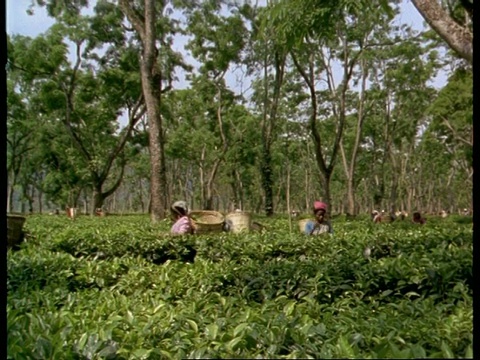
{"x":309,"y":226}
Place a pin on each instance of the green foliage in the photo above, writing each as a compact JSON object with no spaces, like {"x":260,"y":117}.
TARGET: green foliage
{"x":294,"y":20}
{"x":454,"y":104}
{"x":271,"y":294}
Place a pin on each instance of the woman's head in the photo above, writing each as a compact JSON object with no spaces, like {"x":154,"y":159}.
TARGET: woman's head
{"x":319,"y":209}
{"x":179,"y":208}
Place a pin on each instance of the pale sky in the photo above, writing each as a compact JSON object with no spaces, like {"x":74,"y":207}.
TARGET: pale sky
{"x":18,"y":22}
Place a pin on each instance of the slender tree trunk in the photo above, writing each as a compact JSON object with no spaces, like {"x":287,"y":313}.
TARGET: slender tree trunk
{"x":202,"y":178}
{"x":307,"y":184}
{"x":10,"y":197}
{"x":289,"y":210}
{"x":234,"y":183}
{"x":240,"y":190}
{"x":140,"y":194}
{"x":213,"y":173}
{"x":40,"y":202}
{"x":350,"y":170}
{"x":268,"y":126}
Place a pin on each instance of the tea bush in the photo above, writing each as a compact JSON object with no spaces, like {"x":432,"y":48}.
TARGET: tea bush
{"x":122,"y":288}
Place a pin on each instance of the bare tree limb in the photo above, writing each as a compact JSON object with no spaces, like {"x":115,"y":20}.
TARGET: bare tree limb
{"x":458,"y":38}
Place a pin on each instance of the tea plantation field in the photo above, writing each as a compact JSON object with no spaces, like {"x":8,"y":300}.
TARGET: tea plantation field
{"x":120,"y":288}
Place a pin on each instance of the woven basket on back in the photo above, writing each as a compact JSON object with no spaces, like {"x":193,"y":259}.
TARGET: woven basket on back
{"x":239,"y":221}
{"x":207,"y":221}
{"x":302,"y":223}
{"x":14,"y":229}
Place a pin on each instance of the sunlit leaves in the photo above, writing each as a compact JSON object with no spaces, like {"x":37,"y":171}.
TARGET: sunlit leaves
{"x":257,"y":298}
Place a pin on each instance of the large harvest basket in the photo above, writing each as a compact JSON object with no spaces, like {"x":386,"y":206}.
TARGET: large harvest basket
{"x":207,"y":221}
{"x":239,"y":221}
{"x":302,"y":223}
{"x":15,"y":230}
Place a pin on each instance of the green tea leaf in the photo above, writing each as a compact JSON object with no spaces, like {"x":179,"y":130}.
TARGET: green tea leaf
{"x":446,"y":351}
{"x":193,"y":325}
{"x":469,"y":352}
{"x":212,"y":330}
{"x":345,"y":349}
{"x":129,"y":317}
{"x":234,"y":342}
{"x":288,"y":309}
{"x":411,"y":293}
{"x":141,"y":353}
{"x":239,"y":328}
{"x":82,"y":341}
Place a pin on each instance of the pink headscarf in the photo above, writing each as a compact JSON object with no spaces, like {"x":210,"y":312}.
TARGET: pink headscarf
{"x":318,"y":205}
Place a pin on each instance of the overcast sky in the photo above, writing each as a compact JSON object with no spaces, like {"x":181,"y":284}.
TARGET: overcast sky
{"x":18,"y":22}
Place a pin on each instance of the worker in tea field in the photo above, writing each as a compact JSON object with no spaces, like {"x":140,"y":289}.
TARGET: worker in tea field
{"x":376,"y":216}
{"x":321,"y":224}
{"x":418,"y":219}
{"x":182,"y":222}
{"x":382,"y":217}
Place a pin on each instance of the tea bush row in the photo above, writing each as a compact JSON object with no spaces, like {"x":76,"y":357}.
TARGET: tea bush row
{"x":123,"y":288}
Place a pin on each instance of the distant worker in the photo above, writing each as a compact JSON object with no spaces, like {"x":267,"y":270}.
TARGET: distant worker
{"x":401,"y":215}
{"x":418,"y":219}
{"x":376,"y":216}
{"x":100,"y":212}
{"x":182,"y":222}
{"x":321,"y":224}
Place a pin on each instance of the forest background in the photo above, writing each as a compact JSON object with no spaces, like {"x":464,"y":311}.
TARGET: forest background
{"x":369,"y":111}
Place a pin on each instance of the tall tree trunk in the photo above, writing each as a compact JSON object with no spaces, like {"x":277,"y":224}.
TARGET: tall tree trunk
{"x":10,"y":198}
{"x":350,"y":169}
{"x":289,"y":210}
{"x":326,"y":189}
{"x":240,"y":190}
{"x":140,"y":188}
{"x":156,"y":144}
{"x":202,"y":178}
{"x":268,"y":126}
{"x":339,"y":94}
{"x":97,"y":200}
{"x":267,"y":185}
{"x":27,"y":196}
{"x":152,"y":89}
{"x":208,"y":205}
{"x":40,"y":201}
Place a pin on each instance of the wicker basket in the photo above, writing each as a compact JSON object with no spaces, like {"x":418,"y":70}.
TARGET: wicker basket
{"x":239,"y":221}
{"x":207,"y":221}
{"x":15,"y":229}
{"x":302,"y":223}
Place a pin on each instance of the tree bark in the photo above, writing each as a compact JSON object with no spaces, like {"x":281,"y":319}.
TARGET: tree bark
{"x":458,"y":38}
{"x":268,"y":126}
{"x":350,"y":170}
{"x":152,"y":89}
